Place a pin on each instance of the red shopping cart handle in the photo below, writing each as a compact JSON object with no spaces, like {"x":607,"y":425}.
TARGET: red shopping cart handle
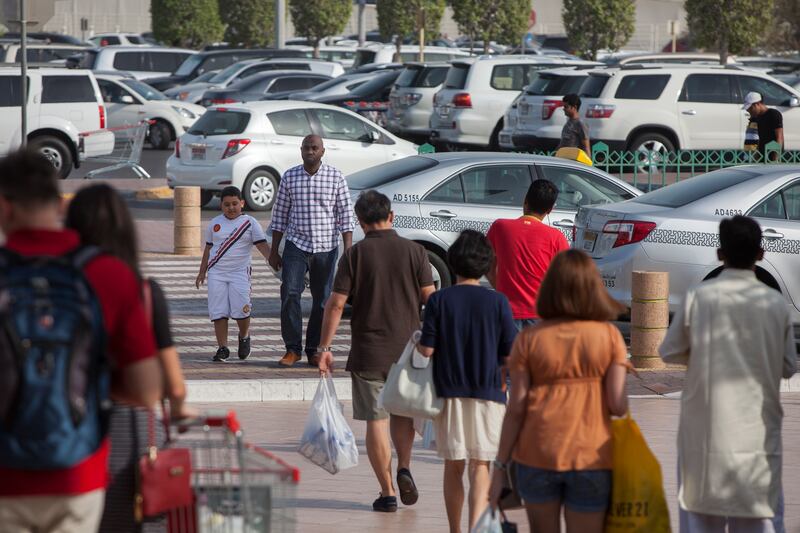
{"x":212,"y":418}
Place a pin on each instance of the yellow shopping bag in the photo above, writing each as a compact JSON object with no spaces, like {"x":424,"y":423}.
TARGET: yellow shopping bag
{"x":637,"y":495}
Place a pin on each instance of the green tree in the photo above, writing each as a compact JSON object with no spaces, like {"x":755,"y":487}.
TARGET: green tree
{"x":248,"y":22}
{"x":728,"y":26}
{"x":785,"y":32}
{"x":317,"y":19}
{"x":186,"y":23}
{"x":404,"y":18}
{"x":498,"y":20}
{"x":594,"y":25}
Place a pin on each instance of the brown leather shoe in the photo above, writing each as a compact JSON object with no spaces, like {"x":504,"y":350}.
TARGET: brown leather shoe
{"x":289,"y":359}
{"x":313,"y":360}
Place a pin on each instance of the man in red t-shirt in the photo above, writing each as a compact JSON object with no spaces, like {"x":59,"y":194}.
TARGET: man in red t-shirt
{"x":71,"y":499}
{"x":524,"y":248}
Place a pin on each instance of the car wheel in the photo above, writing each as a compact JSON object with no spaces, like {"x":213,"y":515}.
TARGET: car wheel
{"x":205,"y":197}
{"x":651,"y":151}
{"x":159,"y":135}
{"x":56,"y":152}
{"x":260,"y":190}
{"x":441,"y":273}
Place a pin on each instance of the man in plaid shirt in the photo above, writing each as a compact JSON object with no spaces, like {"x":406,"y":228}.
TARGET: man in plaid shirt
{"x":312,"y":209}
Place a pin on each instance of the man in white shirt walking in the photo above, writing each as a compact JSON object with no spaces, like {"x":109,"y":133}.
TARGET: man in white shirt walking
{"x":736,"y":336}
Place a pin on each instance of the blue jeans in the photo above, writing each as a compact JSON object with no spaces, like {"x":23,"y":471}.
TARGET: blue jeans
{"x":320,"y":267}
{"x":522,"y":323}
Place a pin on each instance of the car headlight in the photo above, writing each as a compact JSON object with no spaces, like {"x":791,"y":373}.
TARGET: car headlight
{"x":185,"y":113}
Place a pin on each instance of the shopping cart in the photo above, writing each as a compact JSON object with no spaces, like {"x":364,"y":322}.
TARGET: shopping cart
{"x":238,"y":487}
{"x":127,"y":153}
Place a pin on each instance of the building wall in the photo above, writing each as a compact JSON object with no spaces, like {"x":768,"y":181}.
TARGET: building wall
{"x":652,"y":18}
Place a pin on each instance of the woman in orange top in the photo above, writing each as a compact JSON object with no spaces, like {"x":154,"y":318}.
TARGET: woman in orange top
{"x":567,"y":379}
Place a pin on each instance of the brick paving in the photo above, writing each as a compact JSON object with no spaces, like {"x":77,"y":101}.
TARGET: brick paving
{"x":342,"y":503}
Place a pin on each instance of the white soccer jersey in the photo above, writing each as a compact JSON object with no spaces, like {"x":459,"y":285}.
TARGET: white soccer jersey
{"x":232,"y":242}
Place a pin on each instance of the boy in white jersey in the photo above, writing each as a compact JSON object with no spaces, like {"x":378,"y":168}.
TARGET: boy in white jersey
{"x":230,"y":238}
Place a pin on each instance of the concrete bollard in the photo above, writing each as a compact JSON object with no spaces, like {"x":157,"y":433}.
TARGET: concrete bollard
{"x":649,"y":317}
{"x":186,"y":221}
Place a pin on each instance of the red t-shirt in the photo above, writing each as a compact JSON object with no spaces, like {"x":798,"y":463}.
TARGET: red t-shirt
{"x":129,"y":340}
{"x":524,"y":248}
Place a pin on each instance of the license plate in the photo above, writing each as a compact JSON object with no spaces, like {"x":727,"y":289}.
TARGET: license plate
{"x":589,"y":240}
{"x":524,"y":109}
{"x":198,"y":153}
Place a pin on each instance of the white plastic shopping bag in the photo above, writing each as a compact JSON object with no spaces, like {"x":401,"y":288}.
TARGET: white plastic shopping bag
{"x":327,"y":439}
{"x":424,"y":428}
{"x":409,"y":389}
{"x":489,"y":522}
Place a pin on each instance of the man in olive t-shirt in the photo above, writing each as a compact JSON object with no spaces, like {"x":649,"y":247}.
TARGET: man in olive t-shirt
{"x":387,"y":278}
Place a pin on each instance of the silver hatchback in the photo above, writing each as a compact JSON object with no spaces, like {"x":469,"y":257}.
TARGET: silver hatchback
{"x":436,"y":196}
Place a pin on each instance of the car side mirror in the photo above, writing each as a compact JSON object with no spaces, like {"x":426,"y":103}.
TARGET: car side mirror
{"x":794,"y":101}
{"x":126,"y":99}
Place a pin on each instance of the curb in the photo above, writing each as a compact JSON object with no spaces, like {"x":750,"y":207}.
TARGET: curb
{"x":303,"y":390}
{"x":156,"y":193}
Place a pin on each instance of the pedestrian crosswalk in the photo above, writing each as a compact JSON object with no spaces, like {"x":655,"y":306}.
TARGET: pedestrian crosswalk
{"x":193,"y":332}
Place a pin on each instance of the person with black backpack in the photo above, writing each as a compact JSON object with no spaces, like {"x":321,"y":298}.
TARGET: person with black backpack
{"x":73,"y":334}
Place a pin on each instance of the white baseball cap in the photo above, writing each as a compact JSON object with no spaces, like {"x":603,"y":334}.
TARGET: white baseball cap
{"x":750,"y":99}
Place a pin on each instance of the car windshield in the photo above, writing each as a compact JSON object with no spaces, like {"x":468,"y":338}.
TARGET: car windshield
{"x":223,"y":75}
{"x":205,"y":76}
{"x":387,"y":172}
{"x":220,"y":122}
{"x":375,"y":84}
{"x":593,"y":85}
{"x":696,"y":188}
{"x":189,"y":64}
{"x":330,"y":83}
{"x":144,"y":90}
{"x":554,"y":85}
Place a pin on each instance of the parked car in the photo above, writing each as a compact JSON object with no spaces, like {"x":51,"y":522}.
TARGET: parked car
{"x":505,"y":137}
{"x":193,"y":92}
{"x":143,"y":62}
{"x":370,"y":100}
{"x":468,"y":110}
{"x":338,"y":85}
{"x":344,"y":55}
{"x":110,"y":39}
{"x":228,"y":146}
{"x":679,"y":58}
{"x":654,"y":109}
{"x":411,"y":98}
{"x":129,"y":101}
{"x":202,"y":62}
{"x":676,"y":230}
{"x":278,"y":84}
{"x":436,"y":196}
{"x":376,"y":67}
{"x":540,"y":116}
{"x":47,"y":37}
{"x":385,"y":53}
{"x":39,"y":52}
{"x":62,"y":105}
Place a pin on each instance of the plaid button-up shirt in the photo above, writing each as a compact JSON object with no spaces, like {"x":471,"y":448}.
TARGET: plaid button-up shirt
{"x":312,"y":211}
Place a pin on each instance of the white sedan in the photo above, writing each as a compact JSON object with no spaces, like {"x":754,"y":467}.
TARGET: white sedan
{"x":129,"y":101}
{"x":676,"y":230}
{"x":251,"y":145}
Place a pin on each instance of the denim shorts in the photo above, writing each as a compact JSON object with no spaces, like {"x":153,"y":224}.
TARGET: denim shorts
{"x":583,"y":491}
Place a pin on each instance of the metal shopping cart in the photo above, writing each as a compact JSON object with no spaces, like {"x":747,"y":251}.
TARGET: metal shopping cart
{"x":238,"y":487}
{"x":127,"y":153}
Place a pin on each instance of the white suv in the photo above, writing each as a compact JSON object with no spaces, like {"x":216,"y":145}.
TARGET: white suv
{"x":251,"y":145}
{"x":660,"y":109}
{"x":66,"y":115}
{"x":468,"y":110}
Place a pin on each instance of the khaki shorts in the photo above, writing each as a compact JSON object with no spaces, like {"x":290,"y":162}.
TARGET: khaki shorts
{"x":366,"y":388}
{"x":52,"y":514}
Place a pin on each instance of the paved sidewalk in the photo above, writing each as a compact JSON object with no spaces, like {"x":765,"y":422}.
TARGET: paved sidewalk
{"x":342,"y":503}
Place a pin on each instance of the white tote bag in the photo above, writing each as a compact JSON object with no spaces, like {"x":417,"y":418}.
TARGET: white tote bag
{"x":409,"y":389}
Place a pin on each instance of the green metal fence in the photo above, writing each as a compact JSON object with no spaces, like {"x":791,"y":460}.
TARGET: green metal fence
{"x":650,"y":170}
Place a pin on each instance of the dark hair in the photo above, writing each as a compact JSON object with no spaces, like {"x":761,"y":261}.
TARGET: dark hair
{"x":28,"y":178}
{"x":572,"y":99}
{"x":471,"y":255}
{"x":740,"y":241}
{"x":372,"y":207}
{"x":572,"y":288}
{"x":541,"y":196}
{"x":101,"y":218}
{"x":230,"y":190}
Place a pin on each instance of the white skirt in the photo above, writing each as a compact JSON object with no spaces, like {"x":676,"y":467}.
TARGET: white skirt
{"x":468,"y":428}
